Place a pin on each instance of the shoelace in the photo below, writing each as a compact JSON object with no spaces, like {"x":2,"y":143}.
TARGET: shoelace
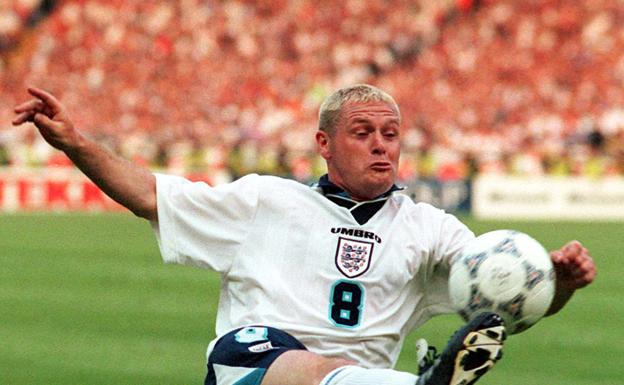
{"x":428,"y":360}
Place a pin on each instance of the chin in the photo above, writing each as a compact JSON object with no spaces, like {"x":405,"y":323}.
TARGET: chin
{"x":383,"y":180}
{"x":379,"y":187}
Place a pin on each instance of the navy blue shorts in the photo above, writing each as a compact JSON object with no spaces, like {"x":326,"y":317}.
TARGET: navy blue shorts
{"x":243,"y":355}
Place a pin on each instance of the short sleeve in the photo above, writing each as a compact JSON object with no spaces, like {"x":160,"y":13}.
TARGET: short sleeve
{"x":452,"y":236}
{"x":202,"y":225}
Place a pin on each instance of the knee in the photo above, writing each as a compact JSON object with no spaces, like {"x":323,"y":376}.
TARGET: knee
{"x":325,"y":368}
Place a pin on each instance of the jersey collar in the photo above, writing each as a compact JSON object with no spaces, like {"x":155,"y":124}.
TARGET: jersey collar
{"x":329,"y":188}
{"x":361,"y":211}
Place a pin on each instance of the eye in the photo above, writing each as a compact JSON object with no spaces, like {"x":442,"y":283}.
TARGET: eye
{"x":391,"y":134}
{"x":361,"y":132}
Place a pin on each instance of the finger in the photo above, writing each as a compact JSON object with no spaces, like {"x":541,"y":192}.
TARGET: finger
{"x":558,"y":258}
{"x":33,"y":104}
{"x":591,"y":275}
{"x":578,"y":262}
{"x":584,"y":268}
{"x":572,"y":248}
{"x":22,"y":118}
{"x":47,"y":98}
{"x":584,"y":280}
{"x":575,"y":243}
{"x":579,"y":282}
{"x":583,"y":259}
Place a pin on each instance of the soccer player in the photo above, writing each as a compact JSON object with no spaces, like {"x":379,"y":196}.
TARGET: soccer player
{"x":320,"y":284}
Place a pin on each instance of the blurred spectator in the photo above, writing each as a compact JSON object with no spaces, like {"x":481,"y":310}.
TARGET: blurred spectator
{"x":232,"y":87}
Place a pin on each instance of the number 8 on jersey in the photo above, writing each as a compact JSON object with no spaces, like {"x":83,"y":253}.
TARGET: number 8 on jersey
{"x":346,"y":302}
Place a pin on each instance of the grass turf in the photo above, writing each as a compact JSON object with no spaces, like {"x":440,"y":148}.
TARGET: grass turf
{"x":84,"y":299}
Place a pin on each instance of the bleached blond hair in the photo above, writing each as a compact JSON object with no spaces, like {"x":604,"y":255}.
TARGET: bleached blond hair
{"x":331,"y":108}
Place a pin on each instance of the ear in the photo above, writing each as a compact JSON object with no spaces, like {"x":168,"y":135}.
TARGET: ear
{"x":322,"y":142}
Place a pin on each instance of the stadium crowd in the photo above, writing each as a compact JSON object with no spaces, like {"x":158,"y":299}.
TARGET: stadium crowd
{"x":231,"y":87}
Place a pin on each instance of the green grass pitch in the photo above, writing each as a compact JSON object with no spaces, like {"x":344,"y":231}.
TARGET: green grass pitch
{"x":85,"y":299}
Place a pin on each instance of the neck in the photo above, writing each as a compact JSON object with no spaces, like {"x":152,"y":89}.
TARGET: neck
{"x":338,"y":183}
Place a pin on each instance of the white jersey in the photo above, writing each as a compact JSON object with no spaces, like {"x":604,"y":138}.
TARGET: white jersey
{"x":292,"y":259}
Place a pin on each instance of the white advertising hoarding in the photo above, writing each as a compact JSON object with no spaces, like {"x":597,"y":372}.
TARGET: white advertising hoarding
{"x":548,"y":197}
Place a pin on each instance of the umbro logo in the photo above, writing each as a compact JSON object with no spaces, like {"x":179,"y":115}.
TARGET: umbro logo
{"x":356,"y":233}
{"x":263,"y":347}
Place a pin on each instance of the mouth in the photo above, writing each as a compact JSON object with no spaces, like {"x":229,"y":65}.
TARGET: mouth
{"x":381,"y":166}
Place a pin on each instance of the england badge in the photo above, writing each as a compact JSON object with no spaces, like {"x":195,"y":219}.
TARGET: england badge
{"x":353,"y":257}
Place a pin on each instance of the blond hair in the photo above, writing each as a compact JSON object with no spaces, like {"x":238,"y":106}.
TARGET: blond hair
{"x":331,"y":108}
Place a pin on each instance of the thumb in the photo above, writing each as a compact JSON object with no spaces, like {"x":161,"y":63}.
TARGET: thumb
{"x":48,"y":129}
{"x":42,"y":121}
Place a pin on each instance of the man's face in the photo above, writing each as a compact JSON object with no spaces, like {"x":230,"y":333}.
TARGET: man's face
{"x":362,"y":153}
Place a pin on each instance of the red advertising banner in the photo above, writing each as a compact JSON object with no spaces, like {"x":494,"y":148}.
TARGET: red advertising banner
{"x":51,"y":189}
{"x":55,"y":189}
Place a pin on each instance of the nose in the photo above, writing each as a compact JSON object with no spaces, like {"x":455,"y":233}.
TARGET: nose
{"x":378,"y":146}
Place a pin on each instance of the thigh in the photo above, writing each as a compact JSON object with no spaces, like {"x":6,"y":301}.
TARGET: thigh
{"x":301,"y":367}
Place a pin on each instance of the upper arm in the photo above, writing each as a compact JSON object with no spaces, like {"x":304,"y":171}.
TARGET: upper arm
{"x":202,"y":225}
{"x":452,"y":237}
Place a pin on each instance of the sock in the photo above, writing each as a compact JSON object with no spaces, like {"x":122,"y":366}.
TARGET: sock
{"x":355,"y":375}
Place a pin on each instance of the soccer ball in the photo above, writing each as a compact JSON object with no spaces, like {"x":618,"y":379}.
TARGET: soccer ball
{"x":506,"y":272}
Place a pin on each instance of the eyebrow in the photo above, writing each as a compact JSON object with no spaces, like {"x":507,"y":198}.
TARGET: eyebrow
{"x":364,"y":120}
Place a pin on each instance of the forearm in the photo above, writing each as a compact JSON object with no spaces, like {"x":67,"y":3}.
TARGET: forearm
{"x":561,"y":297}
{"x":130,"y":185}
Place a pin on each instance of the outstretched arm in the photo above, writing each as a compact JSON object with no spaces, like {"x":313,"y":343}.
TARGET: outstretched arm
{"x":574,"y":269}
{"x":128,"y":184}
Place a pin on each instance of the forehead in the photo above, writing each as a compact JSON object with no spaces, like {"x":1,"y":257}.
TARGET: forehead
{"x":354,"y":111}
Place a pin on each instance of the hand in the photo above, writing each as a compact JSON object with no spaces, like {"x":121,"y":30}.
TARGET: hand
{"x":50,"y":117}
{"x":574,"y":267}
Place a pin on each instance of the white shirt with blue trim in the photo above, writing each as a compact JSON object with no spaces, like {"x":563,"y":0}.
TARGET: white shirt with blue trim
{"x":292,"y":259}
